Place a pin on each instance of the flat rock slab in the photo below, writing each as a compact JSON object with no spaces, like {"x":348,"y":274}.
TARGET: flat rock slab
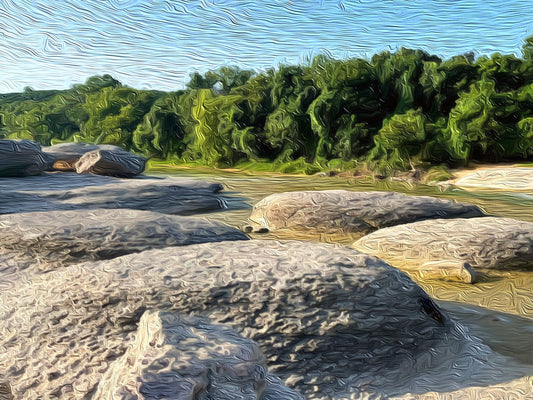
{"x":22,"y":158}
{"x":505,"y":178}
{"x":353,"y":212}
{"x":332,"y":323}
{"x":70,"y":191}
{"x":176,"y":357}
{"x":484,"y":243}
{"x":55,"y":238}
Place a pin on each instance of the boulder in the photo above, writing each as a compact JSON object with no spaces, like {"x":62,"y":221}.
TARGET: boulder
{"x":174,"y":357}
{"x":111,"y":162}
{"x":68,"y":154}
{"x":50,"y":239}
{"x":352,"y":212}
{"x":482,"y":243}
{"x":332,"y":323}
{"x":70,"y":191}
{"x":22,"y":158}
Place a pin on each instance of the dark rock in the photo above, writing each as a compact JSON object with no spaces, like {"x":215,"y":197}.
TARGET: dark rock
{"x":22,"y":158}
{"x":68,"y":191}
{"x":111,"y":162}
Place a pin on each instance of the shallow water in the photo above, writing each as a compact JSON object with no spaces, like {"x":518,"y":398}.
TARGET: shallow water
{"x":498,"y":309}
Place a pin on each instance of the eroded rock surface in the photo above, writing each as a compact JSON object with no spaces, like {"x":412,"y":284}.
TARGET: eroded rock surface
{"x":348,"y":211}
{"x":176,"y":357}
{"x":45,"y":240}
{"x":332,"y":323}
{"x":111,"y":162}
{"x":22,"y":158}
{"x":70,"y":191}
{"x":484,"y":243}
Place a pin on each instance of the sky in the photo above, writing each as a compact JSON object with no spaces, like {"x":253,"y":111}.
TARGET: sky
{"x":157,"y":44}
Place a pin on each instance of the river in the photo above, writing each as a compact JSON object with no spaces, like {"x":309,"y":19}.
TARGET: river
{"x":498,"y":309}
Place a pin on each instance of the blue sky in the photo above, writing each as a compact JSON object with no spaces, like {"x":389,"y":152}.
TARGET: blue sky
{"x":156,"y":44}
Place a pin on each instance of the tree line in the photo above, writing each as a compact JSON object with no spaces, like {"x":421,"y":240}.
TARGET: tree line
{"x":394,"y":111}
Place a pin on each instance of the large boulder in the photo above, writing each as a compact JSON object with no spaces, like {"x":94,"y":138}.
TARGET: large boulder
{"x":353,"y":212}
{"x":22,"y":158}
{"x":111,"y":162}
{"x":70,"y":191}
{"x":332,"y":323}
{"x":518,"y":179}
{"x":66,"y":155}
{"x":175,"y":357}
{"x":446,"y":244}
{"x":46,"y":240}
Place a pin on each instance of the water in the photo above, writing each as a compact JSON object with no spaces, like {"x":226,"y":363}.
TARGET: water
{"x":496,"y":309}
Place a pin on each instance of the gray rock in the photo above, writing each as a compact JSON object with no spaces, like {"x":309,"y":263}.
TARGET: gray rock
{"x":22,"y":158}
{"x":111,"y":162}
{"x":70,"y":191}
{"x":354,"y":212}
{"x":66,"y":155}
{"x":332,"y":323}
{"x":483,"y":243}
{"x":57,"y":238}
{"x":174,"y":357}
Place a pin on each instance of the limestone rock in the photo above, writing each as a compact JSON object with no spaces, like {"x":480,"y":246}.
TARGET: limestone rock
{"x":354,"y":212}
{"x":22,"y":158}
{"x":483,"y":243}
{"x":70,"y":191}
{"x":332,"y":323}
{"x":111,"y":162}
{"x":68,"y":154}
{"x":63,"y":237}
{"x":174,"y":357}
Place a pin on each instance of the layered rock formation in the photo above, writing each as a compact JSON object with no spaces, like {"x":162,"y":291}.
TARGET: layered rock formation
{"x":483,"y":243}
{"x":354,"y":212}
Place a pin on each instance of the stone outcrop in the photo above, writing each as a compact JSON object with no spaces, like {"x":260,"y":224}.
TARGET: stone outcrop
{"x":332,"y":323}
{"x":174,"y":357}
{"x":353,"y":212}
{"x":483,"y":243}
{"x":69,"y":191}
{"x":111,"y":162}
{"x":22,"y":158}
{"x":66,"y":155}
{"x":497,"y":178}
{"x":46,"y":240}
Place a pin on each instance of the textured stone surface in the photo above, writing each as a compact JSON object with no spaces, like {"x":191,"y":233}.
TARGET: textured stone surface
{"x":66,"y":155}
{"x":111,"y":162}
{"x":488,"y":242}
{"x":70,"y":191}
{"x":22,"y":158}
{"x":348,"y":211}
{"x":332,"y":323}
{"x":63,"y":237}
{"x":175,"y":357}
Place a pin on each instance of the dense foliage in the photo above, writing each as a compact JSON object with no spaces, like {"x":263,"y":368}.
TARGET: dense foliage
{"x":395,"y":111}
